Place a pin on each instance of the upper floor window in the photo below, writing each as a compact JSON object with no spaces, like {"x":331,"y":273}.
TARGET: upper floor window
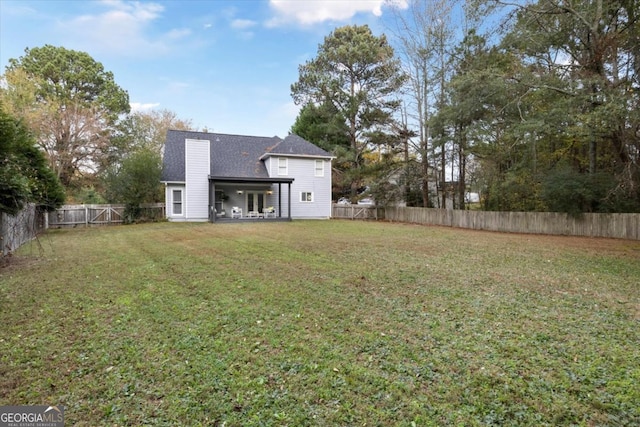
{"x":319,"y":167}
{"x":282,"y":166}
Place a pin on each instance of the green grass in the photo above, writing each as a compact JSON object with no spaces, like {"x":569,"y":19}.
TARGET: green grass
{"x":322,"y":323}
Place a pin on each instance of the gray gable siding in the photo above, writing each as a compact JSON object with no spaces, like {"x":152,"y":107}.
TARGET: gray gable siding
{"x":305,"y":181}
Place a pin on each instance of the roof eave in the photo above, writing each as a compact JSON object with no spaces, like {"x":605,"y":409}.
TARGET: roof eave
{"x":239,"y":179}
{"x":311,"y":156}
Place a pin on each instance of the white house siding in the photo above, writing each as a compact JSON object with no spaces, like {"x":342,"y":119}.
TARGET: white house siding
{"x":303,"y":170}
{"x":197,"y":171}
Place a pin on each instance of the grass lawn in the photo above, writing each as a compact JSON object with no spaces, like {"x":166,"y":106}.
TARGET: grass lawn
{"x":322,"y":323}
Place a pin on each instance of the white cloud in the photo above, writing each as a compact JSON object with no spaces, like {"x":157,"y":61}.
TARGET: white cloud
{"x":17,"y":9}
{"x":178,"y":33}
{"x":313,"y":12}
{"x":242,"y":24}
{"x":121,"y":29}
{"x":137,"y":106}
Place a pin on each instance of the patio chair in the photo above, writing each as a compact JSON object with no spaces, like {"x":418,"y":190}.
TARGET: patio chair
{"x":236,"y":212}
{"x":269,"y":212}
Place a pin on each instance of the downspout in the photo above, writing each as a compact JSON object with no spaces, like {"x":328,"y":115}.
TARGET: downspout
{"x":166,"y":201}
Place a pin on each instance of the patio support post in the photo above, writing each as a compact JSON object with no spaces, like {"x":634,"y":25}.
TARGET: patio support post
{"x":212,"y":202}
{"x":289,"y":192}
{"x":279,"y":200}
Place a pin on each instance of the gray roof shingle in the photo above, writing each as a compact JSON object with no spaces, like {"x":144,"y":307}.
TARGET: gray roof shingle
{"x":294,"y":145}
{"x":233,"y":156}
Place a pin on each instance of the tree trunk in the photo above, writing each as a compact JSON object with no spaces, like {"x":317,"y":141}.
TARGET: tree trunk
{"x":462,"y":166}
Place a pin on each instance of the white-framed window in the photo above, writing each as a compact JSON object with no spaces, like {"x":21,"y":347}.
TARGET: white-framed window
{"x":176,"y":202}
{"x":283,"y":166}
{"x":306,"y":196}
{"x":319,"y":167}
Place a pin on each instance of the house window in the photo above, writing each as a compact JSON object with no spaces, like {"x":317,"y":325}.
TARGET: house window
{"x":282,"y":166}
{"x":176,"y":202}
{"x":319,"y":167}
{"x":306,"y":196}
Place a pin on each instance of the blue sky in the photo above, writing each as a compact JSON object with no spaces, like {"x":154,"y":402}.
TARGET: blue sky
{"x":224,"y":65}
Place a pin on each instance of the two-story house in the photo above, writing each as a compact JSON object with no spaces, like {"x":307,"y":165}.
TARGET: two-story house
{"x":211,"y":177}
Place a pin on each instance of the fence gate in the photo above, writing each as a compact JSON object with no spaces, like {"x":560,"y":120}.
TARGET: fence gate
{"x":74,"y":215}
{"x":106,"y":215}
{"x":354,"y":211}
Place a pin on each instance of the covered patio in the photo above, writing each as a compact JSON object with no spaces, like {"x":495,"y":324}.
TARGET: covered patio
{"x":249,"y":199}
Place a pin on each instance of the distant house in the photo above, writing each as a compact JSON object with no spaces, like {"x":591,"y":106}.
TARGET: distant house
{"x":211,"y":177}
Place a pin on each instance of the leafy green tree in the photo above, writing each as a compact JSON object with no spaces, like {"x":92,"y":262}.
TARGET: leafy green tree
{"x":475,"y":100}
{"x":74,"y":105}
{"x":24,"y":174}
{"x":141,"y":130}
{"x":322,"y":125}
{"x":135,"y":181}
{"x":90,"y":194}
{"x":551,"y":112}
{"x":566,"y":190}
{"x":581,"y":81}
{"x":131,"y":173}
{"x":148,"y":129}
{"x":325,"y":127}
{"x":357,"y":73}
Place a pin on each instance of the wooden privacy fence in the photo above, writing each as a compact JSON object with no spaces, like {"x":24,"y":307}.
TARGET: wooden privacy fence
{"x":21,"y":228}
{"x":614,"y":225}
{"x":357,"y":211}
{"x":15,"y":230}
{"x":95,"y":215}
